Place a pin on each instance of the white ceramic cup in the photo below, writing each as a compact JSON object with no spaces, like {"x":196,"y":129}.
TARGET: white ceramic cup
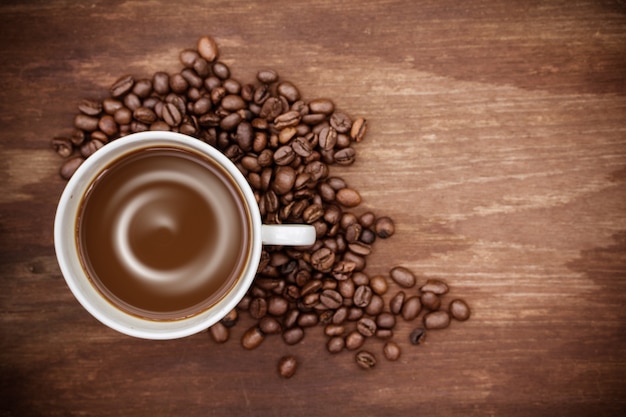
{"x":67,"y":250}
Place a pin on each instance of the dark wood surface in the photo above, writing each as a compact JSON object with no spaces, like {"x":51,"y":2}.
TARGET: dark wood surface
{"x":497,"y":142}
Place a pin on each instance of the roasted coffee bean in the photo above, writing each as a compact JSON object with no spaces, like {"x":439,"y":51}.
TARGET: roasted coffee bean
{"x":277,"y":306}
{"x":207,"y":48}
{"x":392,"y":351}
{"x":287,"y":366}
{"x":345,"y":156}
{"x":437,"y":320}
{"x":365,"y":360}
{"x":144,"y":115}
{"x":346,"y":288}
{"x":308,"y":319}
{"x":354,"y":340}
{"x":89,"y":148}
{"x":331,"y":299}
{"x":354,"y":313}
{"x":230,"y":122}
{"x":267,"y":76}
{"x":430,"y":300}
{"x":340,"y":315}
{"x":178,"y":83}
{"x":284,"y":155}
{"x":327,"y":138}
{"x":270,"y":325}
{"x":397,"y":302}
{"x":459,"y":310}
{"x":142,"y":88}
{"x":402,"y":276}
{"x":378,"y":284}
{"x":359,"y":261}
{"x":284,"y":179}
{"x":435,"y":286}
{"x":386,"y":321}
{"x":366,"y":326}
{"x":122,"y":86}
{"x":291,"y":318}
{"x":123,"y":116}
{"x":252,"y":338}
{"x":86,"y":123}
{"x":221,"y":70}
{"x":375,"y":306}
{"x":272,"y":107}
{"x":334,"y":330}
{"x":171,"y":115}
{"x":289,"y":91}
{"x":201,"y":67}
{"x":301,"y":147}
{"x":188,"y":56}
{"x":360,"y":278}
{"x":193,"y":80}
{"x":358,"y":129}
{"x":362,"y":296}
{"x":230,"y":319}
{"x":293,"y":335}
{"x":336,"y":344}
{"x":348,"y":197}
{"x":384,"y":227}
{"x":161,"y":83}
{"x":322,"y":105}
{"x":159,"y":125}
{"x":287,"y":119}
{"x":219,"y":333}
{"x":417,"y":336}
{"x":62,"y":146}
{"x":367,"y":236}
{"x":90,"y":107}
{"x":258,"y":307}
{"x":132,"y":101}
{"x":323,"y":260}
{"x":70,"y":166}
{"x":233,"y":102}
{"x":341,"y":122}
{"x":411,"y":308}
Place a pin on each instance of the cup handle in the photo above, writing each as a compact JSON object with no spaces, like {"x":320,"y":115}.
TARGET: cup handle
{"x":288,"y":234}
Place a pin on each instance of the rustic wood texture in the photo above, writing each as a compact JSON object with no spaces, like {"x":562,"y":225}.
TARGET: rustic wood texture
{"x":497,"y":143}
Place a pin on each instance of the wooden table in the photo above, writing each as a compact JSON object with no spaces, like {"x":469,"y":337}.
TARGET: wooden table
{"x":497,"y":143}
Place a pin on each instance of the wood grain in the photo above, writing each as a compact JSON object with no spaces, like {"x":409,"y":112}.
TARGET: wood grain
{"x":496,"y":141}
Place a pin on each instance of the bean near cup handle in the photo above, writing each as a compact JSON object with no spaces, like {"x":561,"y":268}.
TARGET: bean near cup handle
{"x":288,"y":234}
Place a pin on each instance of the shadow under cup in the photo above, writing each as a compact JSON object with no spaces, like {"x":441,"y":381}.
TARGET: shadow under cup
{"x":164,"y":233}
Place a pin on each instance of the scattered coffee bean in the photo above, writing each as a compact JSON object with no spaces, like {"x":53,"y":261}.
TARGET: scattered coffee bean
{"x":293,"y":335}
{"x":219,"y":333}
{"x":70,"y":166}
{"x":354,"y":340}
{"x":397,"y":302}
{"x":459,"y":310}
{"x":365,"y":359}
{"x":411,"y":308}
{"x":392,"y":351}
{"x":366,"y":326}
{"x":384,"y":227}
{"x":435,"y":286}
{"x":336,"y":344}
{"x":430,"y":300}
{"x":348,"y":197}
{"x":417,"y":336}
{"x":402,"y":276}
{"x":287,"y":366}
{"x":207,"y":48}
{"x":252,"y":338}
{"x":437,"y":320}
{"x":379,"y":284}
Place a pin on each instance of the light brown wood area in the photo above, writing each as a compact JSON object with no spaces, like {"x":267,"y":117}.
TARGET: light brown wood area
{"x":496,"y":141}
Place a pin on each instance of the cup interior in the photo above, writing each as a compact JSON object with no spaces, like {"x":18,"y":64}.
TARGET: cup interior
{"x":67,"y":250}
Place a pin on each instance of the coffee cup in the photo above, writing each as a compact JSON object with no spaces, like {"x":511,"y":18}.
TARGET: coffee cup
{"x":159,"y":235}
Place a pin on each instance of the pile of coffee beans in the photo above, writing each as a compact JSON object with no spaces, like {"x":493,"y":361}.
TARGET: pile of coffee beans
{"x":284,"y":145}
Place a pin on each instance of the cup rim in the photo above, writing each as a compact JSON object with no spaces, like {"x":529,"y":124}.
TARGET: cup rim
{"x":66,"y":247}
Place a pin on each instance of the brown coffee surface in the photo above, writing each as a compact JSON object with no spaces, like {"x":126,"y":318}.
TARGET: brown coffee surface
{"x":164,"y":233}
